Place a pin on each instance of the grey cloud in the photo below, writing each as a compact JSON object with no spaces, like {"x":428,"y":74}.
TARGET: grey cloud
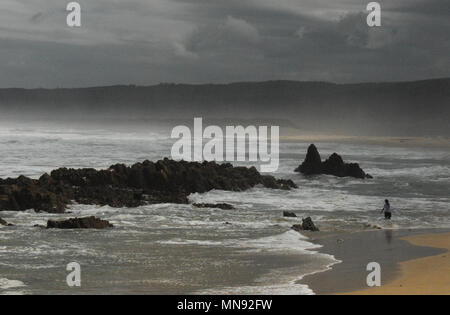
{"x":151,"y":41}
{"x":241,"y":28}
{"x":36,"y":18}
{"x":430,"y":7}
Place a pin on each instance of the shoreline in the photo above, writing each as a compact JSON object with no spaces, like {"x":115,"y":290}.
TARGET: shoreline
{"x":423,"y":276}
{"x":389,"y":248}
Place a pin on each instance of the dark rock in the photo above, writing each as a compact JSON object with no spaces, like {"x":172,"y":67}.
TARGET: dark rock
{"x":24,"y":193}
{"x":334,"y":165}
{"x":297,"y":227}
{"x":4,"y":223}
{"x":165,"y":181}
{"x":223,"y":206}
{"x":312,"y":164}
{"x":286,"y":184}
{"x":79,"y":223}
{"x":307,"y":225}
{"x":289,"y":214}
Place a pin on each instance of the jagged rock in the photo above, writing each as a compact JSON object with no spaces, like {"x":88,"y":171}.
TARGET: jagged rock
{"x":165,"y":181}
{"x":307,"y":225}
{"x":334,"y":165}
{"x":289,"y":214}
{"x":313,"y":162}
{"x":24,"y":193}
{"x":79,"y":223}
{"x":223,"y":206}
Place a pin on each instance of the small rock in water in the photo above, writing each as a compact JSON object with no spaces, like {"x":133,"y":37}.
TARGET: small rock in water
{"x":223,"y":206}
{"x":79,"y":223}
{"x":289,"y":214}
{"x":307,"y":225}
{"x":3,"y":222}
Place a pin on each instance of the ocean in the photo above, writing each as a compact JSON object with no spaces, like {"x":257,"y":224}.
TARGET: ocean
{"x":175,"y":249}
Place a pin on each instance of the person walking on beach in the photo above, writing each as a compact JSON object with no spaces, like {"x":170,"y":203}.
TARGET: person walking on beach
{"x":387,"y":210}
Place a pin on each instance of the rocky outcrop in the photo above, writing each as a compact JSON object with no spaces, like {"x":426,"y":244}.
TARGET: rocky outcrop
{"x":165,"y":181}
{"x":313,"y":162}
{"x":223,"y":206}
{"x":24,"y":193}
{"x":79,"y":223}
{"x":334,"y":165}
{"x":289,"y":214}
{"x":307,"y":225}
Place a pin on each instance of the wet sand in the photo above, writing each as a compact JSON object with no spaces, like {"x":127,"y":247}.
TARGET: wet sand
{"x":428,"y":275}
{"x":400,"y":260}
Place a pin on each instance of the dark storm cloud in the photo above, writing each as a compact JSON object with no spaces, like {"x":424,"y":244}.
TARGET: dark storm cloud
{"x":434,"y":8}
{"x":151,"y":41}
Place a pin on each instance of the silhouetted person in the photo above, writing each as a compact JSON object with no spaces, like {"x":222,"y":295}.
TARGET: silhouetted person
{"x":387,"y":210}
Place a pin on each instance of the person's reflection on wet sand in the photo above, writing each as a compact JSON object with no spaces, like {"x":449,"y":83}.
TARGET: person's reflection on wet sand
{"x":388,"y":234}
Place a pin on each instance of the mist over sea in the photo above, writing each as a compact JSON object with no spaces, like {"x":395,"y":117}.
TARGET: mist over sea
{"x":169,"y":248}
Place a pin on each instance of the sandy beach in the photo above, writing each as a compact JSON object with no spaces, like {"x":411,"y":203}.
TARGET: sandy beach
{"x":428,"y":275}
{"x":412,"y":262}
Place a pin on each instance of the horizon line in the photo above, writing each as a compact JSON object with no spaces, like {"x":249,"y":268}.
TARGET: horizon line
{"x":225,"y":84}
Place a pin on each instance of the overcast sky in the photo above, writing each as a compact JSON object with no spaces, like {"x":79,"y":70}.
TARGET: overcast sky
{"x":198,"y":41}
